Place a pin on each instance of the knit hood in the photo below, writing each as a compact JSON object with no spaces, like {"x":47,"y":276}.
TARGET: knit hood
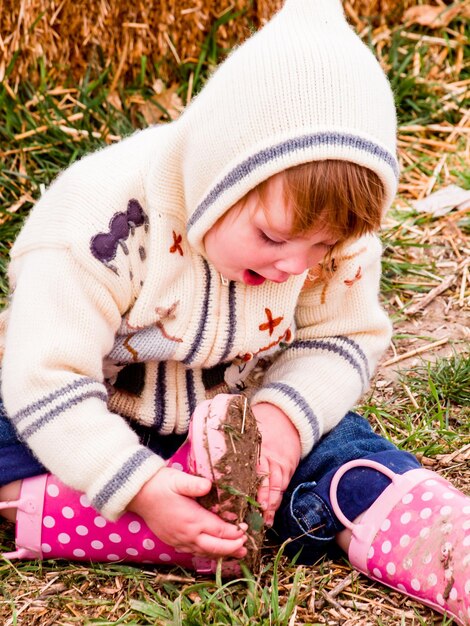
{"x":303,"y":88}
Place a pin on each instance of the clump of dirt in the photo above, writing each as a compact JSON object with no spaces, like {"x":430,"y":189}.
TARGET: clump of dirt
{"x":235,"y":485}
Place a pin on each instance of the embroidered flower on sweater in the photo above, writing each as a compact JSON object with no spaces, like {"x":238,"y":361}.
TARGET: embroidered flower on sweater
{"x":176,"y":247}
{"x":271,"y":324}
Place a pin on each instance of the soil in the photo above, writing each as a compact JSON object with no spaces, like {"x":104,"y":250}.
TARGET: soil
{"x":233,"y":495}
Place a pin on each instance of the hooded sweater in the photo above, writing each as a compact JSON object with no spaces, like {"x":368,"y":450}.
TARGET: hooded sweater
{"x":117,"y":316}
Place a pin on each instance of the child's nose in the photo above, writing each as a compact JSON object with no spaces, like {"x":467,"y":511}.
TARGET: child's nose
{"x":293,"y":265}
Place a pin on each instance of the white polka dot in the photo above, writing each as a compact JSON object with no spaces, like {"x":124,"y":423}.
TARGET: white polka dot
{"x":132,"y":551}
{"x":45,"y":547}
{"x":401,"y":587}
{"x":407,"y":499}
{"x":67,"y":512}
{"x":53,"y":490}
{"x":426,"y":513}
{"x":97,"y":545}
{"x":164,"y":557}
{"x":466,"y":510}
{"x":424,"y":532}
{"x":78,"y":552}
{"x":386,"y":525}
{"x":447,"y":528}
{"x":466,"y":541}
{"x":427,"y":558}
{"x":453,"y":594}
{"x":440,"y":599}
{"x":99,"y":521}
{"x":49,"y":521}
{"x":430,"y":482}
{"x":177,"y":466}
{"x":81,"y":530}
{"x":432,"y":580}
{"x":427,"y":495}
{"x":405,"y":541}
{"x":405,"y":518}
{"x":407,"y":563}
{"x":448,"y":574}
{"x":115,"y":538}
{"x":63,"y":538}
{"x":448,"y":495}
{"x":391,"y":568}
{"x":134,"y":527}
{"x":415,"y":584}
{"x":467,"y":587}
{"x":112,"y":557}
{"x":445,"y":510}
{"x":386,"y":547}
{"x":84,"y":501}
{"x":148,"y":544}
{"x":377,"y":573}
{"x":466,"y":525}
{"x":371,"y":552}
{"x":466,"y":561}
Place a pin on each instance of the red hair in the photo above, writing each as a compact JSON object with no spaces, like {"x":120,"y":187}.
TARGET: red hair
{"x":345,"y":198}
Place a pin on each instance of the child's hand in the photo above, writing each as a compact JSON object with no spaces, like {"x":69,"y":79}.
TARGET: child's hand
{"x":168,"y":506}
{"x":279,"y":458}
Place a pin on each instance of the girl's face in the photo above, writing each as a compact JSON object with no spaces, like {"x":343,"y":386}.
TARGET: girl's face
{"x":251,"y":243}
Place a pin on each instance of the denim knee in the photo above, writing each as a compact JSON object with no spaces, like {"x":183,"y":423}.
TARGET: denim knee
{"x":305,"y":516}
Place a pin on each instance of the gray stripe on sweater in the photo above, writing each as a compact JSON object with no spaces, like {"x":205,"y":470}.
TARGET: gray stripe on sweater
{"x":232,"y":303}
{"x":39,"y":404}
{"x":203,"y":319}
{"x":120,"y":478}
{"x":301,"y":403}
{"x":289,"y":146}
{"x":359,"y":351}
{"x":191,"y":392}
{"x":331,"y":346}
{"x":39,"y":423}
{"x":160,"y":396}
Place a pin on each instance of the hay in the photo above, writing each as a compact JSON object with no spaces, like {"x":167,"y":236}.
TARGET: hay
{"x":71,"y":35}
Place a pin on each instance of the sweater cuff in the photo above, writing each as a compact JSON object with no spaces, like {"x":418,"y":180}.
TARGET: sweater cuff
{"x":115,"y":489}
{"x":297,"y":409}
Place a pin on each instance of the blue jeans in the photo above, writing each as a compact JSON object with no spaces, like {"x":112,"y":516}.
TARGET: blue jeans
{"x":305,"y":515}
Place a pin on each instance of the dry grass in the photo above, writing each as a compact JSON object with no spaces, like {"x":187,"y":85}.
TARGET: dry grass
{"x":72,"y":35}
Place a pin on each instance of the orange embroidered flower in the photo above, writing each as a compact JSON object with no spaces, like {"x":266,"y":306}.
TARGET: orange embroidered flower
{"x":176,"y":247}
{"x":357,"y":277}
{"x":271,"y":324}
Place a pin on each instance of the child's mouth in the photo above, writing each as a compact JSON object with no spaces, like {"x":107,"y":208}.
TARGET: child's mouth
{"x":250,"y":277}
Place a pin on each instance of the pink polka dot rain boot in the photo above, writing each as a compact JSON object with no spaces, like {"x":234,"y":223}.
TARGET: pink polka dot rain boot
{"x":415,"y":538}
{"x":55,"y":521}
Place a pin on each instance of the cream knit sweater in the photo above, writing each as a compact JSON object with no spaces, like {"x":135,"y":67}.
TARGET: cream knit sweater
{"x":109,"y":271}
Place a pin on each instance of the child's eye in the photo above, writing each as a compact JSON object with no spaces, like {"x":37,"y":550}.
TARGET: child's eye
{"x":268,"y":239}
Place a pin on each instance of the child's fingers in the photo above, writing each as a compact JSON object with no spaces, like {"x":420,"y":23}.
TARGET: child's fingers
{"x":263,"y":471}
{"x":190,"y":486}
{"x":275,"y":492}
{"x":209,"y":545}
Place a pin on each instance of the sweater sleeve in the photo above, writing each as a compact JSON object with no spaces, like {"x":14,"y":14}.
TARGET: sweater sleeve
{"x":61,"y":324}
{"x":342,"y":331}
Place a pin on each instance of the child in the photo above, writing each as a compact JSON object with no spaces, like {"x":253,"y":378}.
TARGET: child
{"x":158,"y":272}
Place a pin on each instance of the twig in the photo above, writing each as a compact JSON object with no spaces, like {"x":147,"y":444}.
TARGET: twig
{"x":463,"y":286}
{"x":407,"y":355}
{"x":410,"y":396}
{"x":245,"y":406}
{"x":429,"y":297}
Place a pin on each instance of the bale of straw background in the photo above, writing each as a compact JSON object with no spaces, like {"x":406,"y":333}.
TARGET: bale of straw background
{"x":71,"y":35}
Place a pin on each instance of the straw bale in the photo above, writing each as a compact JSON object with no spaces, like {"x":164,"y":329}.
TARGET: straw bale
{"x":71,"y":35}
